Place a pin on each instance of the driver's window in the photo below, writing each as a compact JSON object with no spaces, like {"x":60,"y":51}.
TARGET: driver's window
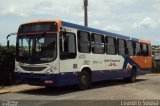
{"x":68,"y":46}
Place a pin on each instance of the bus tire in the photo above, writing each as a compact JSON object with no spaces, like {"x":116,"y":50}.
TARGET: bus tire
{"x":132,"y":77}
{"x":85,"y":80}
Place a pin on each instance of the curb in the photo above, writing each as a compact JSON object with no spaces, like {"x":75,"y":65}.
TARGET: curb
{"x":153,"y":74}
{"x":20,"y":88}
{"x":4,"y":91}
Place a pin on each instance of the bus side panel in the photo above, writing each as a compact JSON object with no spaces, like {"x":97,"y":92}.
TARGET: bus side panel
{"x":139,"y":63}
{"x":108,"y":75}
{"x":143,"y":62}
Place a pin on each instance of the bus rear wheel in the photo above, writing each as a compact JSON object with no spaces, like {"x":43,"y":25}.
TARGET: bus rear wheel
{"x":85,"y":80}
{"x":132,"y":77}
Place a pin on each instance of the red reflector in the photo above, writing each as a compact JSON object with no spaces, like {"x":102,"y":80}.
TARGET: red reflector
{"x":48,"y":81}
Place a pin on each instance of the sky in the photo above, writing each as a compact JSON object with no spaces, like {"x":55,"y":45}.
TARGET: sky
{"x":134,"y":18}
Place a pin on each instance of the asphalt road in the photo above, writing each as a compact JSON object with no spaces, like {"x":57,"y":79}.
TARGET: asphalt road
{"x":146,"y":87}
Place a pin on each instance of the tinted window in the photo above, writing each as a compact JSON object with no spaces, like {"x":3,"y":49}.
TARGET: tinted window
{"x":138,"y":46}
{"x":145,"y":46}
{"x":69,"y":43}
{"x":110,"y":45}
{"x":110,"y":41}
{"x":97,"y":43}
{"x":121,"y":43}
{"x":121,"y":47}
{"x":138,"y":49}
{"x":130,"y":47}
{"x":68,"y":46}
{"x":129,"y":44}
{"x":145,"y":50}
{"x":84,"y":45}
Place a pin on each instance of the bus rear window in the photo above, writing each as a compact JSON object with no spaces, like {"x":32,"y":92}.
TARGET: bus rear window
{"x":38,"y":27}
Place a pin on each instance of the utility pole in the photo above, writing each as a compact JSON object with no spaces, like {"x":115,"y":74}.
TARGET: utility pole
{"x":85,"y":12}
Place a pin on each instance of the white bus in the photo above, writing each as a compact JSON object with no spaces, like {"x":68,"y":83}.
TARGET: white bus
{"x":55,"y":53}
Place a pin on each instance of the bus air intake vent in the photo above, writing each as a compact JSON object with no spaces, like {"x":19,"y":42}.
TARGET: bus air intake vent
{"x":26,"y":68}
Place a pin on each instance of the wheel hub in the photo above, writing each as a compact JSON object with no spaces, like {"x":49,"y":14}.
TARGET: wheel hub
{"x":84,"y":80}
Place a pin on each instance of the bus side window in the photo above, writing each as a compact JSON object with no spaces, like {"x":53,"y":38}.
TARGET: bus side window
{"x":98,"y":44}
{"x":121,"y":47}
{"x":130,"y":47}
{"x":145,"y":50}
{"x":138,"y":49}
{"x":84,"y":42}
{"x":68,"y":46}
{"x":111,"y":45}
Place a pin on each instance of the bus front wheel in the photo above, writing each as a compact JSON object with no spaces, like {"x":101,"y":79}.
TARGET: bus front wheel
{"x":85,"y":80}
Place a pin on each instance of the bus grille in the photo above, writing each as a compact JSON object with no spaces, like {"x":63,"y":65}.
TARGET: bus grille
{"x":33,"y":68}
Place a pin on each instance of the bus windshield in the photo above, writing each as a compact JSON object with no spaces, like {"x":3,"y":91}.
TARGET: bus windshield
{"x":34,"y":49}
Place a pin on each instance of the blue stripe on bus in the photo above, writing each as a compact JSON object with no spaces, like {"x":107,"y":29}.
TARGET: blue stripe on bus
{"x":68,"y":78}
{"x":38,"y":79}
{"x":80,"y":27}
{"x":127,"y":60}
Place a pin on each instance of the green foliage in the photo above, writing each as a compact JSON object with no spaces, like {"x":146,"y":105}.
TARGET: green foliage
{"x":7,"y":64}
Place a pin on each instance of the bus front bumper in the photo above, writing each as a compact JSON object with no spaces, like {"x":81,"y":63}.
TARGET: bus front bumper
{"x":36,"y":79}
{"x":54,"y":80}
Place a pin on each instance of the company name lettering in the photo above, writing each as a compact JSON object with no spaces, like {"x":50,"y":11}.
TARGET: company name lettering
{"x":110,"y":60}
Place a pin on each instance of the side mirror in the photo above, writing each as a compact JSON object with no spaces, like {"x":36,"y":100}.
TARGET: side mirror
{"x":8,"y":37}
{"x":7,"y":43}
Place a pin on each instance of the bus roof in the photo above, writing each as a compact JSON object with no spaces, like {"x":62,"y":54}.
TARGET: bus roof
{"x":80,"y":27}
{"x":68,"y":24}
{"x":97,"y":31}
{"x":145,"y":41}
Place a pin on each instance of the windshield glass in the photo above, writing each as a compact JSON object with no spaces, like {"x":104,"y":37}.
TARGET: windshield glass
{"x":39,"y":48}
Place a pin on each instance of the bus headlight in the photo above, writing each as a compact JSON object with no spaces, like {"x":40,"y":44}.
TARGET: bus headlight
{"x":17,"y":69}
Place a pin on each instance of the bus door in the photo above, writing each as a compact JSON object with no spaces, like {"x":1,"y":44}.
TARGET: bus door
{"x":68,"y":52}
